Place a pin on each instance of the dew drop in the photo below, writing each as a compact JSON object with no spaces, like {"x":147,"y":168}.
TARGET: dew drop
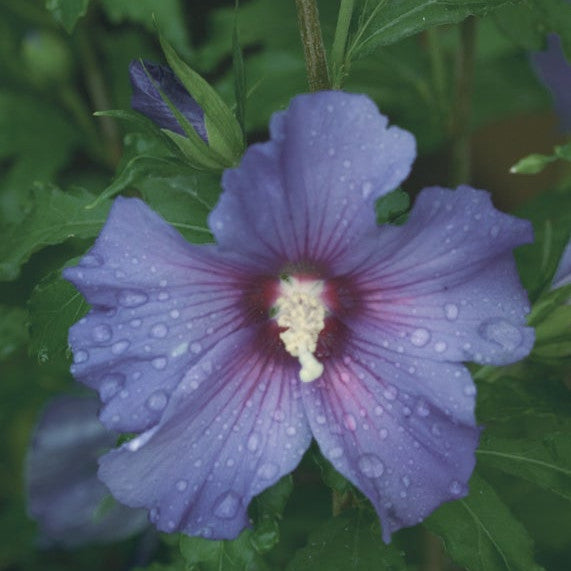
{"x":157,"y":400}
{"x":320,"y":419}
{"x":159,"y":363}
{"x":120,"y":347}
{"x":80,"y":356}
{"x":154,"y":515}
{"x":279,"y":415}
{"x":132,"y":298}
{"x":90,"y":261}
{"x":174,"y":313}
{"x":500,"y":331}
{"x":349,"y":422}
{"x":347,"y":163}
{"x":455,"y":488}
{"x":110,"y":385}
{"x":451,"y":311}
{"x":494,"y":231}
{"x":267,"y":471}
{"x":180,"y":350}
{"x":163,"y":296}
{"x":370,"y":466}
{"x":196,"y":348}
{"x":335,"y":453}
{"x":422,"y":409}
{"x":390,"y":392}
{"x":181,"y":485}
{"x":253,"y":442}
{"x":378,"y":410}
{"x":383,"y":433}
{"x":227,"y":505}
{"x":469,"y":390}
{"x":159,"y":331}
{"x":440,"y":346}
{"x":135,"y":323}
{"x":420,"y":337}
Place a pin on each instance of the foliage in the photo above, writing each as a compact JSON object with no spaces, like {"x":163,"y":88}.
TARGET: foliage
{"x":69,"y":144}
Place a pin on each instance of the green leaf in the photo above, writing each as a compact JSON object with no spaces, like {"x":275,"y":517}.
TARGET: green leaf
{"x":546,"y":463}
{"x":54,"y":217}
{"x":391,"y":20}
{"x":224,"y":133}
{"x":393,"y":207}
{"x":36,"y":141}
{"x":168,"y":14}
{"x":13,"y":330}
{"x":67,"y":12}
{"x":529,"y":23}
{"x":532,"y":164}
{"x":349,"y":541}
{"x":55,"y":305}
{"x":481,"y":534}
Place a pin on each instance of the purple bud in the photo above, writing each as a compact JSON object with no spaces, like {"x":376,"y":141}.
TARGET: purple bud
{"x":146,"y":78}
{"x":555,"y":73}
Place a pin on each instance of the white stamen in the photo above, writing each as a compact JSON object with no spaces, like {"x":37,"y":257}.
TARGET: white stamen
{"x":301,"y":309}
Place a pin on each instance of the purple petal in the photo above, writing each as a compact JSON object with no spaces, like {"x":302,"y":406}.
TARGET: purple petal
{"x":555,"y":71}
{"x":147,"y":99}
{"x":444,"y":286}
{"x":307,"y":195}
{"x":562,"y":276}
{"x":159,"y":304}
{"x":234,"y":426}
{"x":64,"y":494}
{"x":408,"y":449}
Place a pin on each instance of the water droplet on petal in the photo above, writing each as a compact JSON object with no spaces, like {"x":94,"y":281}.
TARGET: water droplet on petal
{"x":181,"y":485}
{"x":159,"y":363}
{"x":174,"y":313}
{"x":366,"y":189}
{"x":349,"y":422}
{"x":135,"y":323}
{"x":370,"y":466}
{"x":110,"y":386}
{"x":320,"y":419}
{"x":469,"y":390}
{"x":379,"y":410}
{"x":502,"y":332}
{"x":383,"y":433}
{"x":154,"y":515}
{"x":267,"y":471}
{"x":120,"y":347}
{"x":335,"y":453}
{"x":132,"y":298}
{"x":440,"y":346}
{"x":422,"y":409}
{"x":80,"y":356}
{"x":90,"y":261}
{"x":455,"y":488}
{"x":279,"y":415}
{"x":451,"y":311}
{"x":159,"y":330}
{"x":196,"y":348}
{"x":420,"y":337}
{"x":390,"y":392}
{"x":253,"y":442}
{"x":290,"y":430}
{"x":157,"y":400}
{"x":227,"y":505}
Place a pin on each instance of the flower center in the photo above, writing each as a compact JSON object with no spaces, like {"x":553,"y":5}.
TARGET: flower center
{"x":300,"y":309}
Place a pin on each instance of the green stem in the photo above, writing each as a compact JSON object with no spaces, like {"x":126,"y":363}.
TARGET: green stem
{"x":460,"y":163}
{"x":338,"y":60}
{"x":312,"y":41}
{"x":99,"y":96}
{"x":432,"y":552}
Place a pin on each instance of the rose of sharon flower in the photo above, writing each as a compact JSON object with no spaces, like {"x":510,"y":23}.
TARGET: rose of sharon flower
{"x":305,"y":320}
{"x":146,"y":80}
{"x":70,"y":504}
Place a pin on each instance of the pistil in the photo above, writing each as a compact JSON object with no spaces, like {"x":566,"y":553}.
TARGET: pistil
{"x":301,"y":311}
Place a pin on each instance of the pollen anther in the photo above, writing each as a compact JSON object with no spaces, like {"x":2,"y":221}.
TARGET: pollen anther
{"x":301,"y":310}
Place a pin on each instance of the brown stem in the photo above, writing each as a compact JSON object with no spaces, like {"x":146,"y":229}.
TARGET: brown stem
{"x":312,"y":41}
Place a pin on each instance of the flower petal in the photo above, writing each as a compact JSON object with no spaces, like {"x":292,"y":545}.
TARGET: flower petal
{"x":199,"y":468}
{"x":444,"y":286}
{"x":148,"y":101}
{"x":330,"y":157}
{"x":408,"y":449}
{"x":64,"y":493}
{"x":159,"y":303}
